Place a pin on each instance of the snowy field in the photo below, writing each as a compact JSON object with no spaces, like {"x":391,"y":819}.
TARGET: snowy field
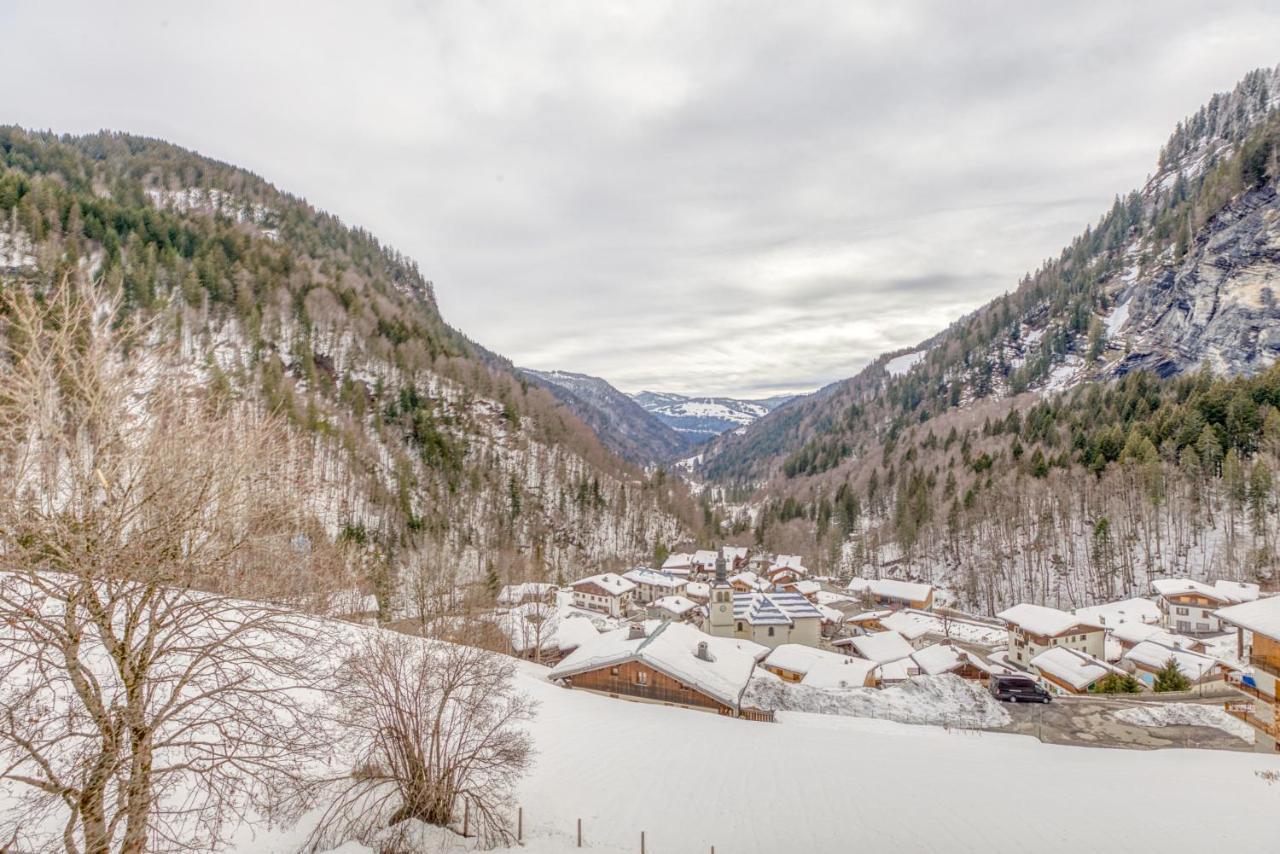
{"x":814,"y":783}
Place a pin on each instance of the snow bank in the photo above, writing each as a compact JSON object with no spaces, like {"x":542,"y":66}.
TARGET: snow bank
{"x":945,"y":700}
{"x":899,"y":365}
{"x":1185,"y":714}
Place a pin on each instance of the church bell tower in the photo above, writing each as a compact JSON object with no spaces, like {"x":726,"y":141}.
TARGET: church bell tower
{"x":720,"y":607}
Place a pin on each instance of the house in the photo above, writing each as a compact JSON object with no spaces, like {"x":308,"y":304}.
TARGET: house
{"x":1112,"y":614}
{"x":608,"y":593}
{"x":832,"y":620}
{"x":939,"y":658}
{"x":1187,"y":606}
{"x":651,"y":585}
{"x":522,"y":594}
{"x":1071,"y":671}
{"x":704,"y":560}
{"x":698,"y":591}
{"x":791,"y":661}
{"x":735,"y":557}
{"x":748,"y":582}
{"x":891,"y":593}
{"x":664,"y":662}
{"x":881,"y":647}
{"x":849,"y":672}
{"x":1149,"y":657}
{"x":1032,"y":629}
{"x":867,"y":621}
{"x":1258,"y":623}
{"x":672,"y":608}
{"x":792,"y":562}
{"x":806,"y":587}
{"x":1237,"y":592}
{"x":781,"y":576}
{"x":905,"y":623}
{"x":925,"y":627}
{"x":539,"y":632}
{"x":1129,"y":635}
{"x":680,"y":563}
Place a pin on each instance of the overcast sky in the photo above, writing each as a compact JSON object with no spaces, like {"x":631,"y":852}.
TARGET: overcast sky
{"x":733,"y":199}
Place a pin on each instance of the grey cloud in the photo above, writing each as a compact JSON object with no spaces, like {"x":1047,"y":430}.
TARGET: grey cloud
{"x":713,"y":198}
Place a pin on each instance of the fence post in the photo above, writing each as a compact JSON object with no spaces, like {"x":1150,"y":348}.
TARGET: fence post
{"x":579,"y":833}
{"x":519,"y":824}
{"x":466,"y":818}
{"x":642,"y":842}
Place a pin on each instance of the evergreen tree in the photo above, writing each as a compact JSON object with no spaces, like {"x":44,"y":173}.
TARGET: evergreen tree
{"x":1171,"y":678}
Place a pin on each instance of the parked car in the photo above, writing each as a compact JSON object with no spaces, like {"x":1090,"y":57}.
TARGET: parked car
{"x":1019,"y":689}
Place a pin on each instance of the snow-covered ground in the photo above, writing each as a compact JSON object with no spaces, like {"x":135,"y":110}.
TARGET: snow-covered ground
{"x":899,"y":365}
{"x":1186,"y":714}
{"x":944,"y":700}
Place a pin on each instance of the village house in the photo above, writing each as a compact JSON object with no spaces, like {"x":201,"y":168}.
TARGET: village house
{"x":607,"y":593}
{"x":1187,"y":606}
{"x":926,"y":627}
{"x":867,"y":621}
{"x":1148,"y":658}
{"x":791,"y":661}
{"x":748,"y":582}
{"x":680,"y":563}
{"x":848,"y":672}
{"x":698,"y":591}
{"x":735,"y":557}
{"x":1070,"y":671}
{"x":539,"y":632}
{"x":1112,"y":614}
{"x":806,"y":587}
{"x":669,"y":663}
{"x":522,"y":594}
{"x":651,"y":585}
{"x":881,"y":647}
{"x":678,"y":608}
{"x":1257,"y":626}
{"x":891,"y":593}
{"x":1128,"y":635}
{"x":1032,"y":629}
{"x":946,"y":657}
{"x":704,"y":561}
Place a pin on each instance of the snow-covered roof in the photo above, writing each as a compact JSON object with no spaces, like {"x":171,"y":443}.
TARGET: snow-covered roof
{"x":679,"y":560}
{"x":891,"y":588}
{"x":866,"y":616}
{"x":882,"y":647}
{"x":908,"y":624}
{"x":1261,"y":616}
{"x":1186,"y":586}
{"x":772,"y":609}
{"x":514,"y":594}
{"x":1153,"y":656}
{"x":1041,"y":620}
{"x":536,"y":624}
{"x":672,"y":648}
{"x":732,"y":553}
{"x":799,"y":658}
{"x":749,"y":579}
{"x":898,"y":671}
{"x":1075,"y":668}
{"x":678,"y":605}
{"x":826,"y":597}
{"x":789,"y":562}
{"x":1237,"y":591}
{"x":698,"y":588}
{"x":610,"y":582}
{"x":829,"y":614}
{"x":653,"y":578}
{"x":1112,"y":614}
{"x":939,"y":658}
{"x":1136,"y":633}
{"x":705,"y":557}
{"x":805,"y":587}
{"x":840,"y":672}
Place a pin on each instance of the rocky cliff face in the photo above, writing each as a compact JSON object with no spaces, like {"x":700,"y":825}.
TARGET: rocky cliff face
{"x":1218,"y":307}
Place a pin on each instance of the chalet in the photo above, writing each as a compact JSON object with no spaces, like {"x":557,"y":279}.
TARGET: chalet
{"x":735,"y":557}
{"x":1148,"y":658}
{"x":925,"y":627}
{"x":916,"y":632}
{"x":651,"y":585}
{"x":680,"y":563}
{"x":881,"y":647}
{"x":664,"y":662}
{"x":1257,"y":626}
{"x":704,"y":560}
{"x":867,"y":621}
{"x":748,"y":582}
{"x":1187,"y":606}
{"x":1071,"y":671}
{"x":1112,"y":614}
{"x":832,"y":620}
{"x":939,"y":658}
{"x":1128,"y":635}
{"x":891,"y":593}
{"x":698,"y":591}
{"x":781,"y":576}
{"x":672,"y":608}
{"x":1032,"y":629}
{"x":791,"y":661}
{"x":607,"y":593}
{"x":522,"y":594}
{"x":538,"y":632}
{"x":806,"y":587}
{"x":848,"y":672}
{"x":792,"y":562}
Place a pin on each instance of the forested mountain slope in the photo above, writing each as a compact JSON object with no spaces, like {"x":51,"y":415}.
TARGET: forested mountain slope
{"x":703,"y":418}
{"x":1113,"y":418}
{"x":622,"y":424}
{"x":436,"y":456}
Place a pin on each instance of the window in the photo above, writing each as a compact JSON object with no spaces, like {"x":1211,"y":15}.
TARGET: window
{"x":613,"y":671}
{"x":642,"y":678}
{"x":771,"y":631}
{"x":1182,"y":611}
{"x":739,"y":625}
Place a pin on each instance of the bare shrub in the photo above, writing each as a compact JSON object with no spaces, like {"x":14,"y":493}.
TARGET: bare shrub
{"x":438,"y":733}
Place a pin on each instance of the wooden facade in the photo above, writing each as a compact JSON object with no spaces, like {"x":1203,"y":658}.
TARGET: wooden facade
{"x":1265,"y":653}
{"x":639,"y":680}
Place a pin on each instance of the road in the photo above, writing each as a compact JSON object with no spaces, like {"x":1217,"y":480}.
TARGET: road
{"x":1089,"y":722}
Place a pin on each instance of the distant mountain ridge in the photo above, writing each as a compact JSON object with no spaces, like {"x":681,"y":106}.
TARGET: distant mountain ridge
{"x":703,"y":418}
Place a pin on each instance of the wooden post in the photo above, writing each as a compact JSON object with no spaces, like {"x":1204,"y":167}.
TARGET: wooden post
{"x":642,"y":842}
{"x":579,"y":833}
{"x":519,"y":824}
{"x":466,"y":818}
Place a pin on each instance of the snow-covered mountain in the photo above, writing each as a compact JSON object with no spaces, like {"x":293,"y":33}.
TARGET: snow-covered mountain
{"x":622,"y":425}
{"x":703,"y":418}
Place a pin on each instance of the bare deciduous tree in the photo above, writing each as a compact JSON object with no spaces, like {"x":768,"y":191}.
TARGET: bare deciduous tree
{"x":143,"y":704}
{"x":438,"y":729}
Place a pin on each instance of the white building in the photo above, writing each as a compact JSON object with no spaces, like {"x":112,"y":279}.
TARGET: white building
{"x":608,"y":593}
{"x":651,"y":585}
{"x":1035,"y":628}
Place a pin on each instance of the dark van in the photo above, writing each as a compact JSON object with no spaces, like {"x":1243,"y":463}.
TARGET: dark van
{"x":1018,"y":689}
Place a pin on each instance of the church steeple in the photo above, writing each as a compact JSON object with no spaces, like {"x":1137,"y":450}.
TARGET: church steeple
{"x":720,"y":608}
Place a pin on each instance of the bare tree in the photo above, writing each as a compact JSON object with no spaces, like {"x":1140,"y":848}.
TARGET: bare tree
{"x":438,"y":732}
{"x":143,"y":704}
